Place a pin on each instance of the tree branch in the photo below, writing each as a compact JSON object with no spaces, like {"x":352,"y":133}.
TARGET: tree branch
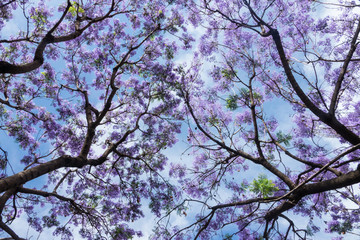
{"x":326,"y":118}
{"x":6,"y":67}
{"x":334,"y":98}
{"x":38,"y":60}
{"x":319,"y":187}
{"x":7,"y":229}
{"x":32,"y":173}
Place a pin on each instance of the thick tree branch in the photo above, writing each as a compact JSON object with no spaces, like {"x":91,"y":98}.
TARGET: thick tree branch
{"x":6,"y":67}
{"x":334,"y":98}
{"x":5,"y":4}
{"x":319,"y":187}
{"x":5,"y":197}
{"x":205,"y":225}
{"x":323,"y":168}
{"x":7,"y":229}
{"x":37,"y":171}
{"x":303,"y":190}
{"x":38,"y":60}
{"x":326,"y":118}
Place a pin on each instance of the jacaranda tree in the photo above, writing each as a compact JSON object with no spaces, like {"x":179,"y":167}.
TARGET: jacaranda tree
{"x":92,"y":96}
{"x":274,"y":126}
{"x":83,"y":94}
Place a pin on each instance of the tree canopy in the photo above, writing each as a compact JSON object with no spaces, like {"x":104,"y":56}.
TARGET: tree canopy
{"x":96,"y":98}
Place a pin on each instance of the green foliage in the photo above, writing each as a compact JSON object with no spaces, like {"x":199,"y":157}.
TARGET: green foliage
{"x":227,"y":73}
{"x":245,"y":94}
{"x":342,"y":228}
{"x":283,"y":138}
{"x":309,"y":231}
{"x":257,"y":96}
{"x":50,"y":221}
{"x":3,"y":162}
{"x":75,"y":9}
{"x":47,"y":78}
{"x":120,"y":232}
{"x":231,"y":102}
{"x":227,"y":237}
{"x":263,"y":186}
{"x":3,"y":112}
{"x":93,"y":200}
{"x":158,"y":96}
{"x":213,"y":120}
{"x":39,"y":18}
{"x":169,"y":53}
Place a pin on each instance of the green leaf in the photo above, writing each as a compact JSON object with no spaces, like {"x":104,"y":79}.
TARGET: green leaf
{"x":231,"y":102}
{"x":309,"y":231}
{"x":228,"y":73}
{"x":263,"y":186}
{"x":75,"y":9}
{"x":213,"y":120}
{"x":120,"y":232}
{"x":227,"y":237}
{"x":169,"y":53}
{"x":39,"y":18}
{"x":283,"y":138}
{"x":342,"y":228}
